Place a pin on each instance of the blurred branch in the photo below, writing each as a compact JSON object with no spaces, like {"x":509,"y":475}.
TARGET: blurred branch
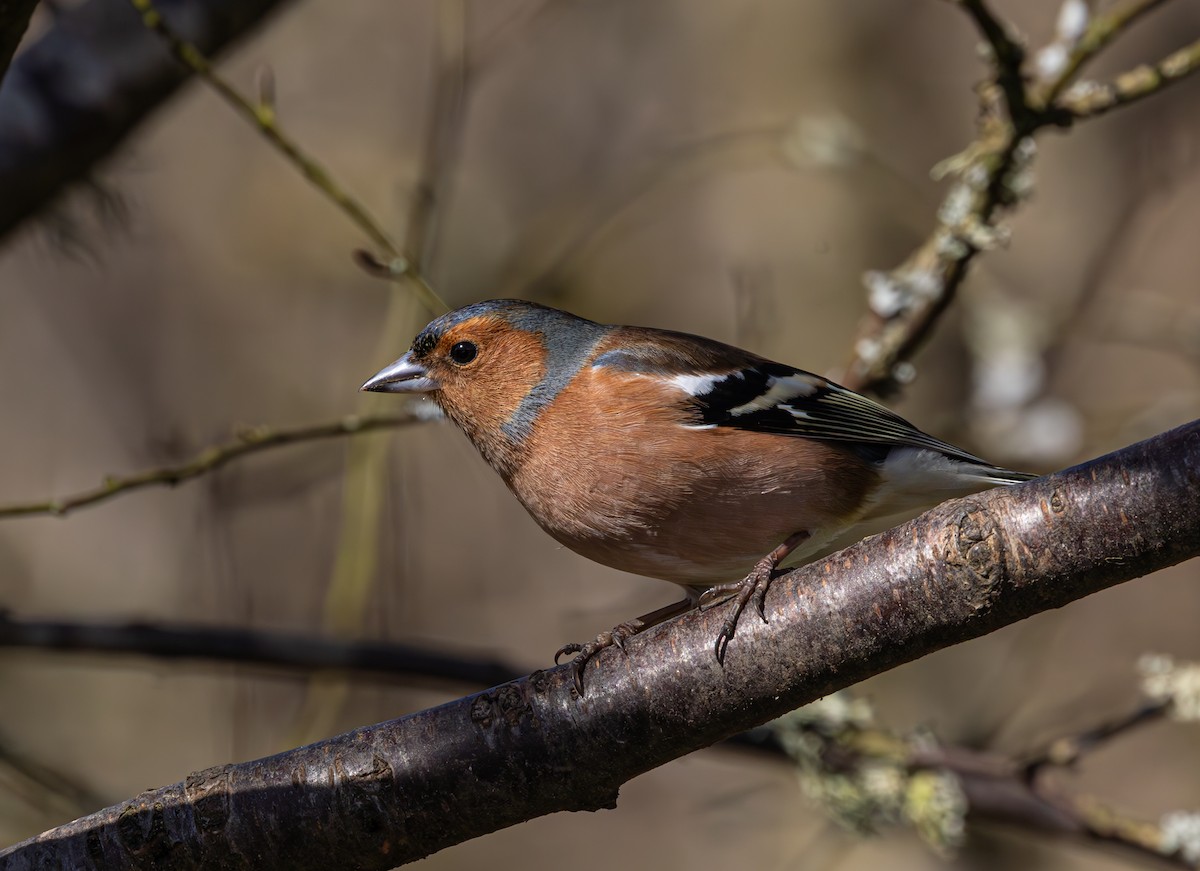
{"x":1102,"y":30}
{"x":996,"y":793}
{"x":248,"y":441}
{"x":993,"y":173}
{"x":389,"y":794}
{"x":868,"y":778}
{"x":1068,"y":750}
{"x":1008,"y":55}
{"x":253,"y":647}
{"x":1090,"y":99}
{"x":73,"y":96}
{"x":262,"y":116}
{"x":14,"y":21}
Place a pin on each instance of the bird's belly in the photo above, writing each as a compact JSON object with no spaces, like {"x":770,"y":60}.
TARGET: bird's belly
{"x":714,"y":534}
{"x":697,"y":511}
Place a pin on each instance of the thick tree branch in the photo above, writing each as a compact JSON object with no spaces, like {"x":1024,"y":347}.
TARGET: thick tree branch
{"x":389,"y":794}
{"x":997,"y":788}
{"x":73,"y":96}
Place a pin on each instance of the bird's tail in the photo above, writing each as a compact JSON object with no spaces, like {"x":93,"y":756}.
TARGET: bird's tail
{"x":995,"y":474}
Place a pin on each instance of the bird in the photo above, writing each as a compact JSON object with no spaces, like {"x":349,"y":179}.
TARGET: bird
{"x":671,"y":455}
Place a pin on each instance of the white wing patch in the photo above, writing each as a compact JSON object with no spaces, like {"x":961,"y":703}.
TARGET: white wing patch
{"x":697,"y":385}
{"x":778,"y":392}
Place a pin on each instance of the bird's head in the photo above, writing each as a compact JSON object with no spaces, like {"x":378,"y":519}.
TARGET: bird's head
{"x":492,"y":366}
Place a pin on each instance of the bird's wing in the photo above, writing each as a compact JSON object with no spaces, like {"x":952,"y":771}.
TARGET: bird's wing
{"x":728,"y":387}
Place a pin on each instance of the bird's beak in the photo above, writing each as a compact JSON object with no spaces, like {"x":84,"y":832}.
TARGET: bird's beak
{"x":403,"y":376}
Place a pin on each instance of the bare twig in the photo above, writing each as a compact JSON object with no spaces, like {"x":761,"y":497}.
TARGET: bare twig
{"x":1102,"y":30}
{"x":1008,"y":56}
{"x":1068,"y":750}
{"x":1090,"y":99}
{"x":248,"y":441}
{"x":262,"y":117}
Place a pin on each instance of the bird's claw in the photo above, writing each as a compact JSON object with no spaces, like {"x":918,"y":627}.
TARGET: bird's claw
{"x":614,"y":637}
{"x":753,"y":588}
{"x":566,"y":649}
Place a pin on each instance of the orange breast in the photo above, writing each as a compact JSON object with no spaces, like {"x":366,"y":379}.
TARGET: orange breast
{"x":622,"y":482}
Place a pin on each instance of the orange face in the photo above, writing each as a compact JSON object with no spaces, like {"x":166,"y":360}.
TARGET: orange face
{"x":484,"y":369}
{"x":478,"y":370}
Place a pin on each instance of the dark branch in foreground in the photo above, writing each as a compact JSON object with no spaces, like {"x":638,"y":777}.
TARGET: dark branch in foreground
{"x":392,"y":793}
{"x":75,"y":94}
{"x":14,"y":19}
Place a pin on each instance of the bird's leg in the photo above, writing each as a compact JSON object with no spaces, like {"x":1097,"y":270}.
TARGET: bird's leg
{"x":618,"y":635}
{"x":753,"y":586}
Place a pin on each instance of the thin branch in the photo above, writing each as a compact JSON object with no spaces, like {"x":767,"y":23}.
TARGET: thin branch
{"x":389,"y":794}
{"x":1101,"y":31}
{"x":1008,"y":56}
{"x":1090,"y":99}
{"x":248,"y":441}
{"x":1068,"y":750}
{"x":262,"y":116}
{"x":443,"y":133}
{"x":288,"y":650}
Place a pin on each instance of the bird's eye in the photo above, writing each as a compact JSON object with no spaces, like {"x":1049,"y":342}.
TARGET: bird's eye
{"x":463,"y":353}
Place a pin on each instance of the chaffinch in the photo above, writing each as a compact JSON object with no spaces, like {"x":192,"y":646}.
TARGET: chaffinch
{"x":671,"y":455}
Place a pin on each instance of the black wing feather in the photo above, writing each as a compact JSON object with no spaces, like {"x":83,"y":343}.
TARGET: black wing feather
{"x":734,"y":388}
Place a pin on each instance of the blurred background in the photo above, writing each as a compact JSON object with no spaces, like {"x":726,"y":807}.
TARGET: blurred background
{"x":719,"y":167}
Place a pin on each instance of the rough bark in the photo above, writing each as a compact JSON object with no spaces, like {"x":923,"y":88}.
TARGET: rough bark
{"x":392,"y":793}
{"x":76,"y":93}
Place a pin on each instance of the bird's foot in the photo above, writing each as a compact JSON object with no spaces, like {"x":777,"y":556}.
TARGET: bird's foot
{"x":616,"y":636}
{"x":752,"y":588}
